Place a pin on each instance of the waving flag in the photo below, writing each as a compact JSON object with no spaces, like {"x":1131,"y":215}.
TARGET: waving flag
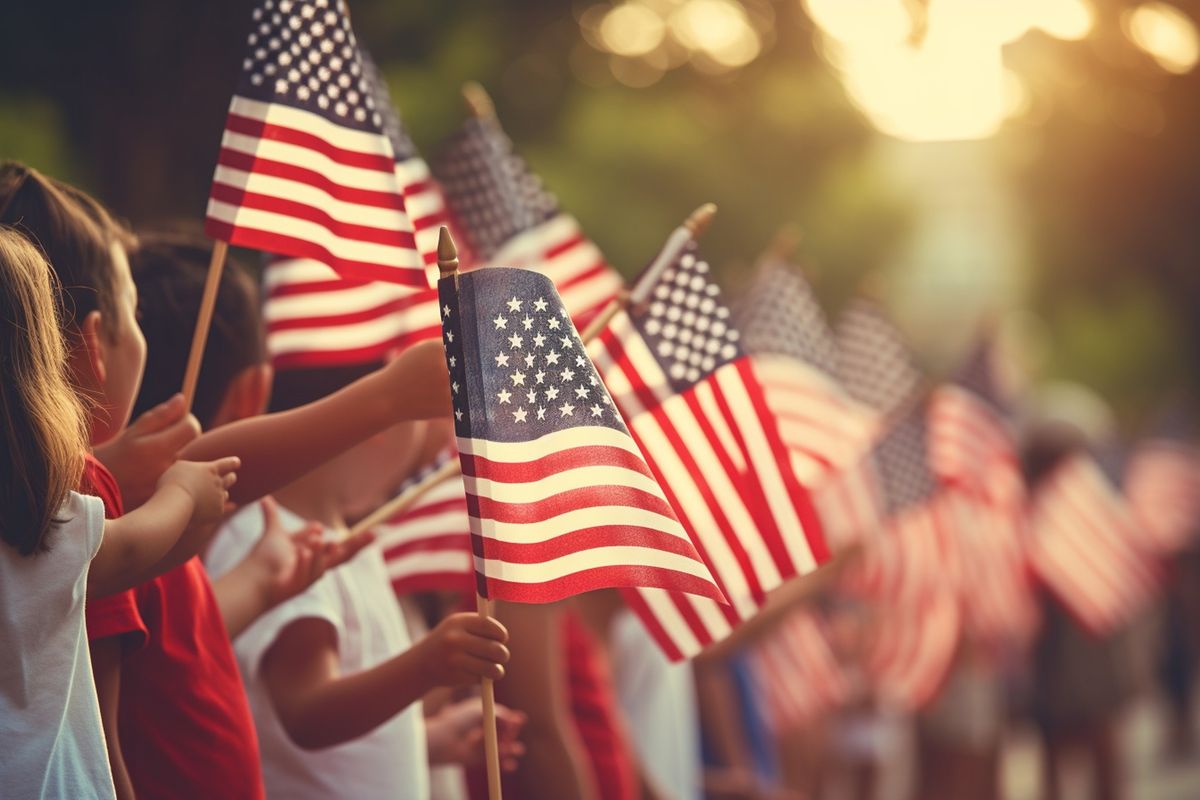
{"x":559,"y":498}
{"x":827,"y":433}
{"x":694,"y":403}
{"x":915,"y":572}
{"x":1162,"y":482}
{"x":1084,"y":546}
{"x":305,"y":169}
{"x":316,"y":317}
{"x":915,"y":651}
{"x":509,"y":218}
{"x":796,"y":674}
{"x":973,"y":452}
{"x":874,"y":364}
{"x":428,"y":547}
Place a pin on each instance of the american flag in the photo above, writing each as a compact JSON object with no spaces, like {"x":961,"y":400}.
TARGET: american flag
{"x":559,"y":498}
{"x":428,"y":547}
{"x":305,"y":169}
{"x":509,"y":218}
{"x":1084,"y":546}
{"x":315,"y":317}
{"x":915,"y":649}
{"x":796,"y":673}
{"x":828,"y":434}
{"x":690,"y":394}
{"x":915,"y":571}
{"x":974,"y":454}
{"x":1162,"y":482}
{"x":874,"y":363}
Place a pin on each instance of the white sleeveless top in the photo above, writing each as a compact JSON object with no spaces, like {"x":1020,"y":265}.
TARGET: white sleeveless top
{"x":50,"y":733}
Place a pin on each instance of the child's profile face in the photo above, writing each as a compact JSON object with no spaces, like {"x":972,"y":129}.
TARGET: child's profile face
{"x":124,"y":351}
{"x":374,"y":468}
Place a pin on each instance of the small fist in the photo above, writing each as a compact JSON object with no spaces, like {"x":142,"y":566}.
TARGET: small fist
{"x":464,"y":648}
{"x":208,"y":484}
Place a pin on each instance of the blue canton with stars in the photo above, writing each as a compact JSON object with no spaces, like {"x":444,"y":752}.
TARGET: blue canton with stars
{"x":518,"y":369}
{"x":302,"y":53}
{"x":490,"y":187}
{"x":780,"y":315}
{"x":903,"y":459}
{"x":686,"y":323}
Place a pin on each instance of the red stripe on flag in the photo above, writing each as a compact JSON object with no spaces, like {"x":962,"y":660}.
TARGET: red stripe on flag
{"x":279,"y":133}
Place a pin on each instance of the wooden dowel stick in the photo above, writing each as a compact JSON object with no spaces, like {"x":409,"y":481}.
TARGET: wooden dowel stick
{"x":491,"y":740}
{"x":208,"y":302}
{"x":408,"y":498}
{"x":448,"y":268}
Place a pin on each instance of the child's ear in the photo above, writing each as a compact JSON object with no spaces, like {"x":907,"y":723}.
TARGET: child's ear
{"x":88,"y":359}
{"x":246,"y":396}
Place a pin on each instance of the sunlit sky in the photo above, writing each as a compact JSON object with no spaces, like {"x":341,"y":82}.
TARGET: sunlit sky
{"x":932,"y":71}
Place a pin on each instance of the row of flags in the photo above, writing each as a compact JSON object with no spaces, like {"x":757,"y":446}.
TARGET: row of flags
{"x":695,"y":453}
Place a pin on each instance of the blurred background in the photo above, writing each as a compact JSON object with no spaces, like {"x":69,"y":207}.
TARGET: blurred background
{"x":981,"y":157}
{"x":1033,"y":162}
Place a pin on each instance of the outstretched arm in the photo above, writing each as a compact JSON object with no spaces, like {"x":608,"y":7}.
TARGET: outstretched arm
{"x":166,"y":530}
{"x":319,"y":707}
{"x":276,"y":449}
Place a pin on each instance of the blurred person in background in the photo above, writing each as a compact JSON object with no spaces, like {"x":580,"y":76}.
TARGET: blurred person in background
{"x":1080,"y":682}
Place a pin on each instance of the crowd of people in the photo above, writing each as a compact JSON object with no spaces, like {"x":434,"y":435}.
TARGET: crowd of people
{"x":184,"y":614}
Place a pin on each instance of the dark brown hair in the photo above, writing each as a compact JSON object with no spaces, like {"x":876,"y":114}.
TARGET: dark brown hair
{"x":42,"y":422}
{"x":170,"y":268}
{"x":73,"y":232}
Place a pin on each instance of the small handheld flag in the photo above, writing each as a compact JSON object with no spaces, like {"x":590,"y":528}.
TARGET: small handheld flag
{"x":559,"y":498}
{"x":305,"y":169}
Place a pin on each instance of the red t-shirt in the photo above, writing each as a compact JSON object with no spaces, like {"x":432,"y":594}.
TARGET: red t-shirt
{"x":593,"y":705}
{"x":186,"y":729}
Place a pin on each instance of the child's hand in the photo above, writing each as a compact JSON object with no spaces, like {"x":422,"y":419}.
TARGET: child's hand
{"x":455,"y":734}
{"x":464,"y":648}
{"x":208,"y":484}
{"x":140,"y":454}
{"x":291,"y":561}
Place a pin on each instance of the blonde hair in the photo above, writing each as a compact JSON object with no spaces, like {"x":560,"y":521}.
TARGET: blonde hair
{"x":43,"y":427}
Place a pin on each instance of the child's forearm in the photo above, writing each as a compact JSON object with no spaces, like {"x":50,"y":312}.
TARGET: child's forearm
{"x":277,"y":449}
{"x":351,"y":706}
{"x":242,"y":596}
{"x":135,"y":544}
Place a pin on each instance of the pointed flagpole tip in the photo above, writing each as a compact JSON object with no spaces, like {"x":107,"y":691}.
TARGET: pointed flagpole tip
{"x":479,"y":102}
{"x":871,"y":287}
{"x":447,"y":253}
{"x":700,"y":219}
{"x":786,"y":240}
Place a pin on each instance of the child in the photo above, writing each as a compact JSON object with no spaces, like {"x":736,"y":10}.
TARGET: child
{"x":171,"y":272}
{"x":56,"y":543}
{"x":164,"y":669}
{"x":333,"y":670}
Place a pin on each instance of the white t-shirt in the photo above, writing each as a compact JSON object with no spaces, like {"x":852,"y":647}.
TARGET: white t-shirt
{"x":659,"y":700}
{"x":356,"y":599}
{"x":51,"y":740}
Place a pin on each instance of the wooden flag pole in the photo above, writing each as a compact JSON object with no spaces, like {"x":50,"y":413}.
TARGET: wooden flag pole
{"x":479,"y":102}
{"x":208,"y":302}
{"x":692,"y":228}
{"x":447,"y":257}
{"x":408,"y":498}
{"x":783,"y":245}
